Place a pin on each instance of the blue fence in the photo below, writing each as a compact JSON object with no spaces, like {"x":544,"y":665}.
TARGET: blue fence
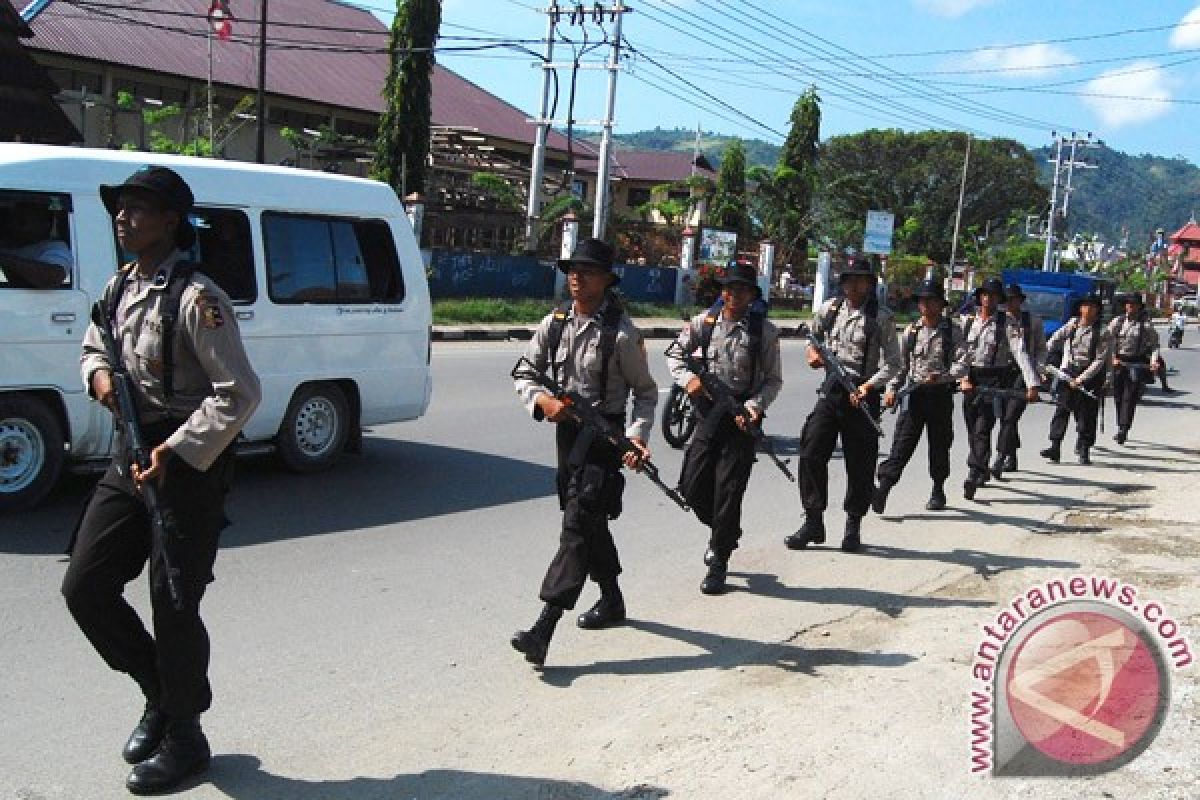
{"x":462,"y":273}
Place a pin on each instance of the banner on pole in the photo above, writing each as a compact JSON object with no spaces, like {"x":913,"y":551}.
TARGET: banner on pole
{"x":877,"y":238}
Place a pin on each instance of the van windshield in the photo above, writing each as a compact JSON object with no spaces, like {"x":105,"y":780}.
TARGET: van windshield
{"x":1047,"y":305}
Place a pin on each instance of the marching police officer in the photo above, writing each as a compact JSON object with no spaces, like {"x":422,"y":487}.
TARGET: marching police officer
{"x":1135,"y":360}
{"x":1033,"y":333}
{"x":740,"y":347}
{"x":1086,"y":347}
{"x":995,"y":358}
{"x":195,"y":391}
{"x":592,"y":347}
{"x":862,"y":335}
{"x":931,"y":357}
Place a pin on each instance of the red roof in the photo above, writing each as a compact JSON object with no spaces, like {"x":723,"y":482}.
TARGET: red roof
{"x":337,"y":57}
{"x":1189,"y":232}
{"x":661,"y":166}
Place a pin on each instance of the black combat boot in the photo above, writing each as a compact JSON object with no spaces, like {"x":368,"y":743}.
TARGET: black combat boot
{"x":811,"y":532}
{"x":879,"y":498}
{"x":937,"y":498}
{"x":974,"y":480}
{"x":998,"y":466}
{"x":1052,"y":452}
{"x":1010,"y":462}
{"x":536,"y":641}
{"x":1084,"y":457}
{"x":146,"y":737}
{"x":183,"y":753}
{"x":1120,"y":435}
{"x":609,"y":609}
{"x":714,"y":581}
{"x":852,"y":539}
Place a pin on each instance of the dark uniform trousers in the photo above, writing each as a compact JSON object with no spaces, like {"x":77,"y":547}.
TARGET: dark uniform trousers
{"x":1086,"y":411}
{"x":1009,"y":434}
{"x":113,"y":542}
{"x":586,"y":493}
{"x":831,"y":416}
{"x":716,"y":470}
{"x":1127,"y":392}
{"x":982,"y":415}
{"x":930,"y":408}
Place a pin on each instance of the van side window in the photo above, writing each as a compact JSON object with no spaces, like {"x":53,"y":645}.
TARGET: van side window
{"x":35,"y":240}
{"x":331,"y":260}
{"x":224,"y":251}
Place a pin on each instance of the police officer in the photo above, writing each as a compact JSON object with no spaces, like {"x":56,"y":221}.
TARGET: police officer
{"x":195,"y":391}
{"x":863,"y":337}
{"x":931,"y":357}
{"x":994,"y":356}
{"x":1135,"y":360}
{"x":1086,"y":348}
{"x":741,"y":348}
{"x":1033,"y":333}
{"x":593,"y":348}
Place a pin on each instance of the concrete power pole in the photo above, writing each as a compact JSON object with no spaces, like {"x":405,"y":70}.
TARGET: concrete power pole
{"x":1048,"y":257}
{"x":1049,"y":263}
{"x":538,"y":169}
{"x":962,"y":191}
{"x":600,"y":218}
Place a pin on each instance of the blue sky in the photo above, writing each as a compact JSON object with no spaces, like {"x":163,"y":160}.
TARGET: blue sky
{"x":1129,"y":72}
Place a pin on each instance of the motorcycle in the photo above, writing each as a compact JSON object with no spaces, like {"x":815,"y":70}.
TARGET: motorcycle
{"x":678,"y":418}
{"x":1175,"y":337}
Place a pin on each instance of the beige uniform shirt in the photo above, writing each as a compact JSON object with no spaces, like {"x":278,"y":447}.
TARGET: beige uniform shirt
{"x":731,"y":359}
{"x":1134,"y":339}
{"x":578,"y":369}
{"x":215,"y":388}
{"x":1076,"y":343}
{"x":925,"y":358}
{"x":1035,"y":337}
{"x":846,"y":337}
{"x":982,"y":340}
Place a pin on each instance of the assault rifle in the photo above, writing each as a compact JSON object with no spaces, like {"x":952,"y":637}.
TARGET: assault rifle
{"x":1051,"y":371}
{"x":836,"y":372}
{"x":163,"y":524}
{"x":589,"y":418}
{"x":717,"y":401}
{"x":911,"y":386}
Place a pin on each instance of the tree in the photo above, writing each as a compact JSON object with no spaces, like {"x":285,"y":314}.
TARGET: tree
{"x":788,"y":222}
{"x":728,"y":209}
{"x":403,"y":144}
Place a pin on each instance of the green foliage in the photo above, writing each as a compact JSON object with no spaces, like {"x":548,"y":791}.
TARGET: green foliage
{"x":782,"y":200}
{"x":507,"y":196}
{"x":403,"y":144}
{"x":729,"y":209}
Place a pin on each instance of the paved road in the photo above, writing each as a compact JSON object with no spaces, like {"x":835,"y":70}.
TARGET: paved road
{"x":360,"y":618}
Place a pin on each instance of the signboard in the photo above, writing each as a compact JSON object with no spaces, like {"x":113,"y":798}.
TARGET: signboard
{"x":717,"y":246}
{"x":877,"y":237}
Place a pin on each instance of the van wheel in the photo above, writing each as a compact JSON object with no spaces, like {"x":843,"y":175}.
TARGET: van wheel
{"x":31,"y":451}
{"x":314,"y":429}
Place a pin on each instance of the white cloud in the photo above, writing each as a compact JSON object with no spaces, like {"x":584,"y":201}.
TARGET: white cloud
{"x":1142,"y":82}
{"x":1187,"y":32}
{"x":1033,"y":60}
{"x":950,"y":8}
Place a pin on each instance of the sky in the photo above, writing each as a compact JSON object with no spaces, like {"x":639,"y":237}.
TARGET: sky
{"x":1126,"y":72}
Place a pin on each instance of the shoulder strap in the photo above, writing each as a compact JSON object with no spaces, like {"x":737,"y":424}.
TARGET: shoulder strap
{"x":1027,"y":329}
{"x":831,"y":314}
{"x":947,"y":326}
{"x":1096,"y":328}
{"x":754,"y":327}
{"x":558,"y":321}
{"x":910,"y":338}
{"x":181,"y":276}
{"x":1001,"y":332}
{"x":706,"y":329}
{"x":609,"y":323}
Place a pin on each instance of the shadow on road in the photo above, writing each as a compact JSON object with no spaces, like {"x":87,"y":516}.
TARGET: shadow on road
{"x":726,"y":652}
{"x":242,"y":777}
{"x":985,"y":565}
{"x":392,"y":481}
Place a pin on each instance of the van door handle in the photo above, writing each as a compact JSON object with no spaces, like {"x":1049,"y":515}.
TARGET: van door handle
{"x":62,"y":316}
{"x":244,"y":314}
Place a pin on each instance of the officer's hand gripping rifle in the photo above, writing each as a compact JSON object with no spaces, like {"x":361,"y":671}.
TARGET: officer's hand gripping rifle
{"x":163,"y":524}
{"x":589,"y":416}
{"x":717,"y":401}
{"x":1051,"y":371}
{"x":835,"y":372}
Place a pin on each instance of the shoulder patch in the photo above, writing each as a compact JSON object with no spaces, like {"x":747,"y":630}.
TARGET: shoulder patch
{"x":210,"y":310}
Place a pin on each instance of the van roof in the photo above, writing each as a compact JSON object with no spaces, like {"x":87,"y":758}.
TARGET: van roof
{"x":213,"y":181}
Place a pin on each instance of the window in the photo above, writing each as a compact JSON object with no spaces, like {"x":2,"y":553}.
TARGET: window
{"x":35,"y":240}
{"x":331,"y":260}
{"x":1048,"y":305}
{"x":224,"y":252}
{"x":74,"y":80}
{"x":682,"y":196}
{"x":638,"y":197}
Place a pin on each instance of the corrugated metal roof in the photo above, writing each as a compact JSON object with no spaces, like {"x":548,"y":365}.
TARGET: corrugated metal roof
{"x":340,"y":61}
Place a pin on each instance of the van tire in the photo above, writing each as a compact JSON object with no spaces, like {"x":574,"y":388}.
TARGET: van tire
{"x":31,"y":451}
{"x":315,"y":428}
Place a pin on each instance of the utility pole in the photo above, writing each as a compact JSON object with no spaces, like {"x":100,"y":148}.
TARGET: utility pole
{"x":600,"y":217}
{"x":1048,"y":256}
{"x":260,"y":148}
{"x":1049,"y":263}
{"x":962,"y":191}
{"x":538,"y":168}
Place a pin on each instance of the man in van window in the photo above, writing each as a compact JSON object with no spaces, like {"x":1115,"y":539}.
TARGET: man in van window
{"x":29,"y":256}
{"x":194,"y":391}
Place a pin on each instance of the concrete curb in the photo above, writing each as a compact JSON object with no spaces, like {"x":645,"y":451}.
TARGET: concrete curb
{"x":500,"y":333}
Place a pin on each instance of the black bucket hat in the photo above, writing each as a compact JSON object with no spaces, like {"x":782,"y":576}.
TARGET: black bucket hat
{"x":1089,"y":299}
{"x":990,"y":286}
{"x":1133,"y":297}
{"x":170,"y":189}
{"x":738,"y":273}
{"x":930,"y":288}
{"x":1014,"y":290}
{"x":857,"y":265}
{"x":594,"y":252}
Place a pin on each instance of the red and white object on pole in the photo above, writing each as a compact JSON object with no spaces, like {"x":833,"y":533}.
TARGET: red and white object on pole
{"x":220,"y":18}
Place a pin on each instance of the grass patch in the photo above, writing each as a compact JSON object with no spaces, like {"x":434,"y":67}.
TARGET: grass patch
{"x":530,"y":310}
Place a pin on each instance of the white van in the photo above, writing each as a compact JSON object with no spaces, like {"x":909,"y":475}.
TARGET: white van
{"x":325,"y":276}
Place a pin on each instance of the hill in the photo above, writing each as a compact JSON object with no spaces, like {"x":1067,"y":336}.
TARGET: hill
{"x":758,"y":152}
